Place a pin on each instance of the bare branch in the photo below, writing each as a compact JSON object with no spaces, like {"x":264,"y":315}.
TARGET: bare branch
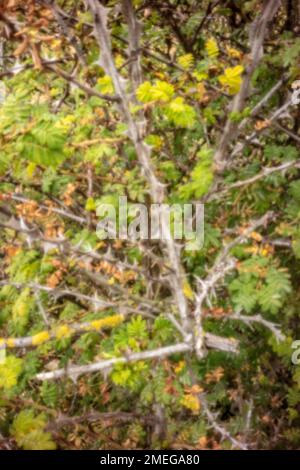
{"x":261,"y":222}
{"x":257,"y":35}
{"x":41,"y":309}
{"x":136,"y":132}
{"x":212,"y":419}
{"x":134,"y":30}
{"x":263,"y":174}
{"x":76,"y":371}
{"x":248,"y":320}
{"x":88,"y":90}
{"x":262,"y":102}
{"x":270,"y":120}
{"x":61,"y":331}
{"x":58,"y":292}
{"x":230,"y":345}
{"x":222,"y":265}
{"x":213,"y":341}
{"x":93,"y":415}
{"x":49,"y":209}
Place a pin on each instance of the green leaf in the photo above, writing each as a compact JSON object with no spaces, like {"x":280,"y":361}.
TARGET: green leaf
{"x":21,"y":310}
{"x":28,"y":431}
{"x":180,"y":113}
{"x":160,"y":91}
{"x":144,"y":93}
{"x":43,"y":145}
{"x":272,"y":296}
{"x":201,"y":176}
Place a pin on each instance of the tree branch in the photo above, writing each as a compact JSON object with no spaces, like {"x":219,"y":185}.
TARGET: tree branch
{"x":136,"y":132}
{"x":75,"y":371}
{"x":257,"y":35}
{"x":263,"y":174}
{"x":88,"y":90}
{"x":248,"y":320}
{"x":223,"y":264}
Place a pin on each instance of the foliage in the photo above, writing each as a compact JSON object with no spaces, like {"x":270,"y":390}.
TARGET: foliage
{"x":28,"y":430}
{"x":9,"y":372}
{"x":185,"y":116}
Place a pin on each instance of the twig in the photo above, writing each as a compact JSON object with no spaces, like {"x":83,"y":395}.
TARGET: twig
{"x":134,"y":30}
{"x":100,"y":140}
{"x":270,"y":120}
{"x":49,"y":209}
{"x":273,"y":327}
{"x":41,"y":309}
{"x":88,"y":90}
{"x":76,"y":371}
{"x":263,"y":174}
{"x":211,"y":6}
{"x":262,"y":102}
{"x":57,"y":292}
{"x":291,"y":134}
{"x":223,"y":264}
{"x":212,"y":419}
{"x":230,"y":345}
{"x":61,"y":331}
{"x":262,"y":221}
{"x":93,"y":415}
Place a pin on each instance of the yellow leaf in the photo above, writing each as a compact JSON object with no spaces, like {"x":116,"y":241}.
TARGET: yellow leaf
{"x":56,"y":44}
{"x":179,"y":367}
{"x":31,"y":169}
{"x":105,"y":85}
{"x":232,"y":78}
{"x":187,"y":290}
{"x":10,"y":370}
{"x":252,"y":249}
{"x":186,"y":61}
{"x":191,"y":402}
{"x":119,"y":60}
{"x":200,"y":75}
{"x":212,"y":48}
{"x":40,"y":338}
{"x":162,"y":91}
{"x":63,"y":331}
{"x":10,"y":342}
{"x":234,"y":53}
{"x":144,"y":93}
{"x":108,"y":322}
